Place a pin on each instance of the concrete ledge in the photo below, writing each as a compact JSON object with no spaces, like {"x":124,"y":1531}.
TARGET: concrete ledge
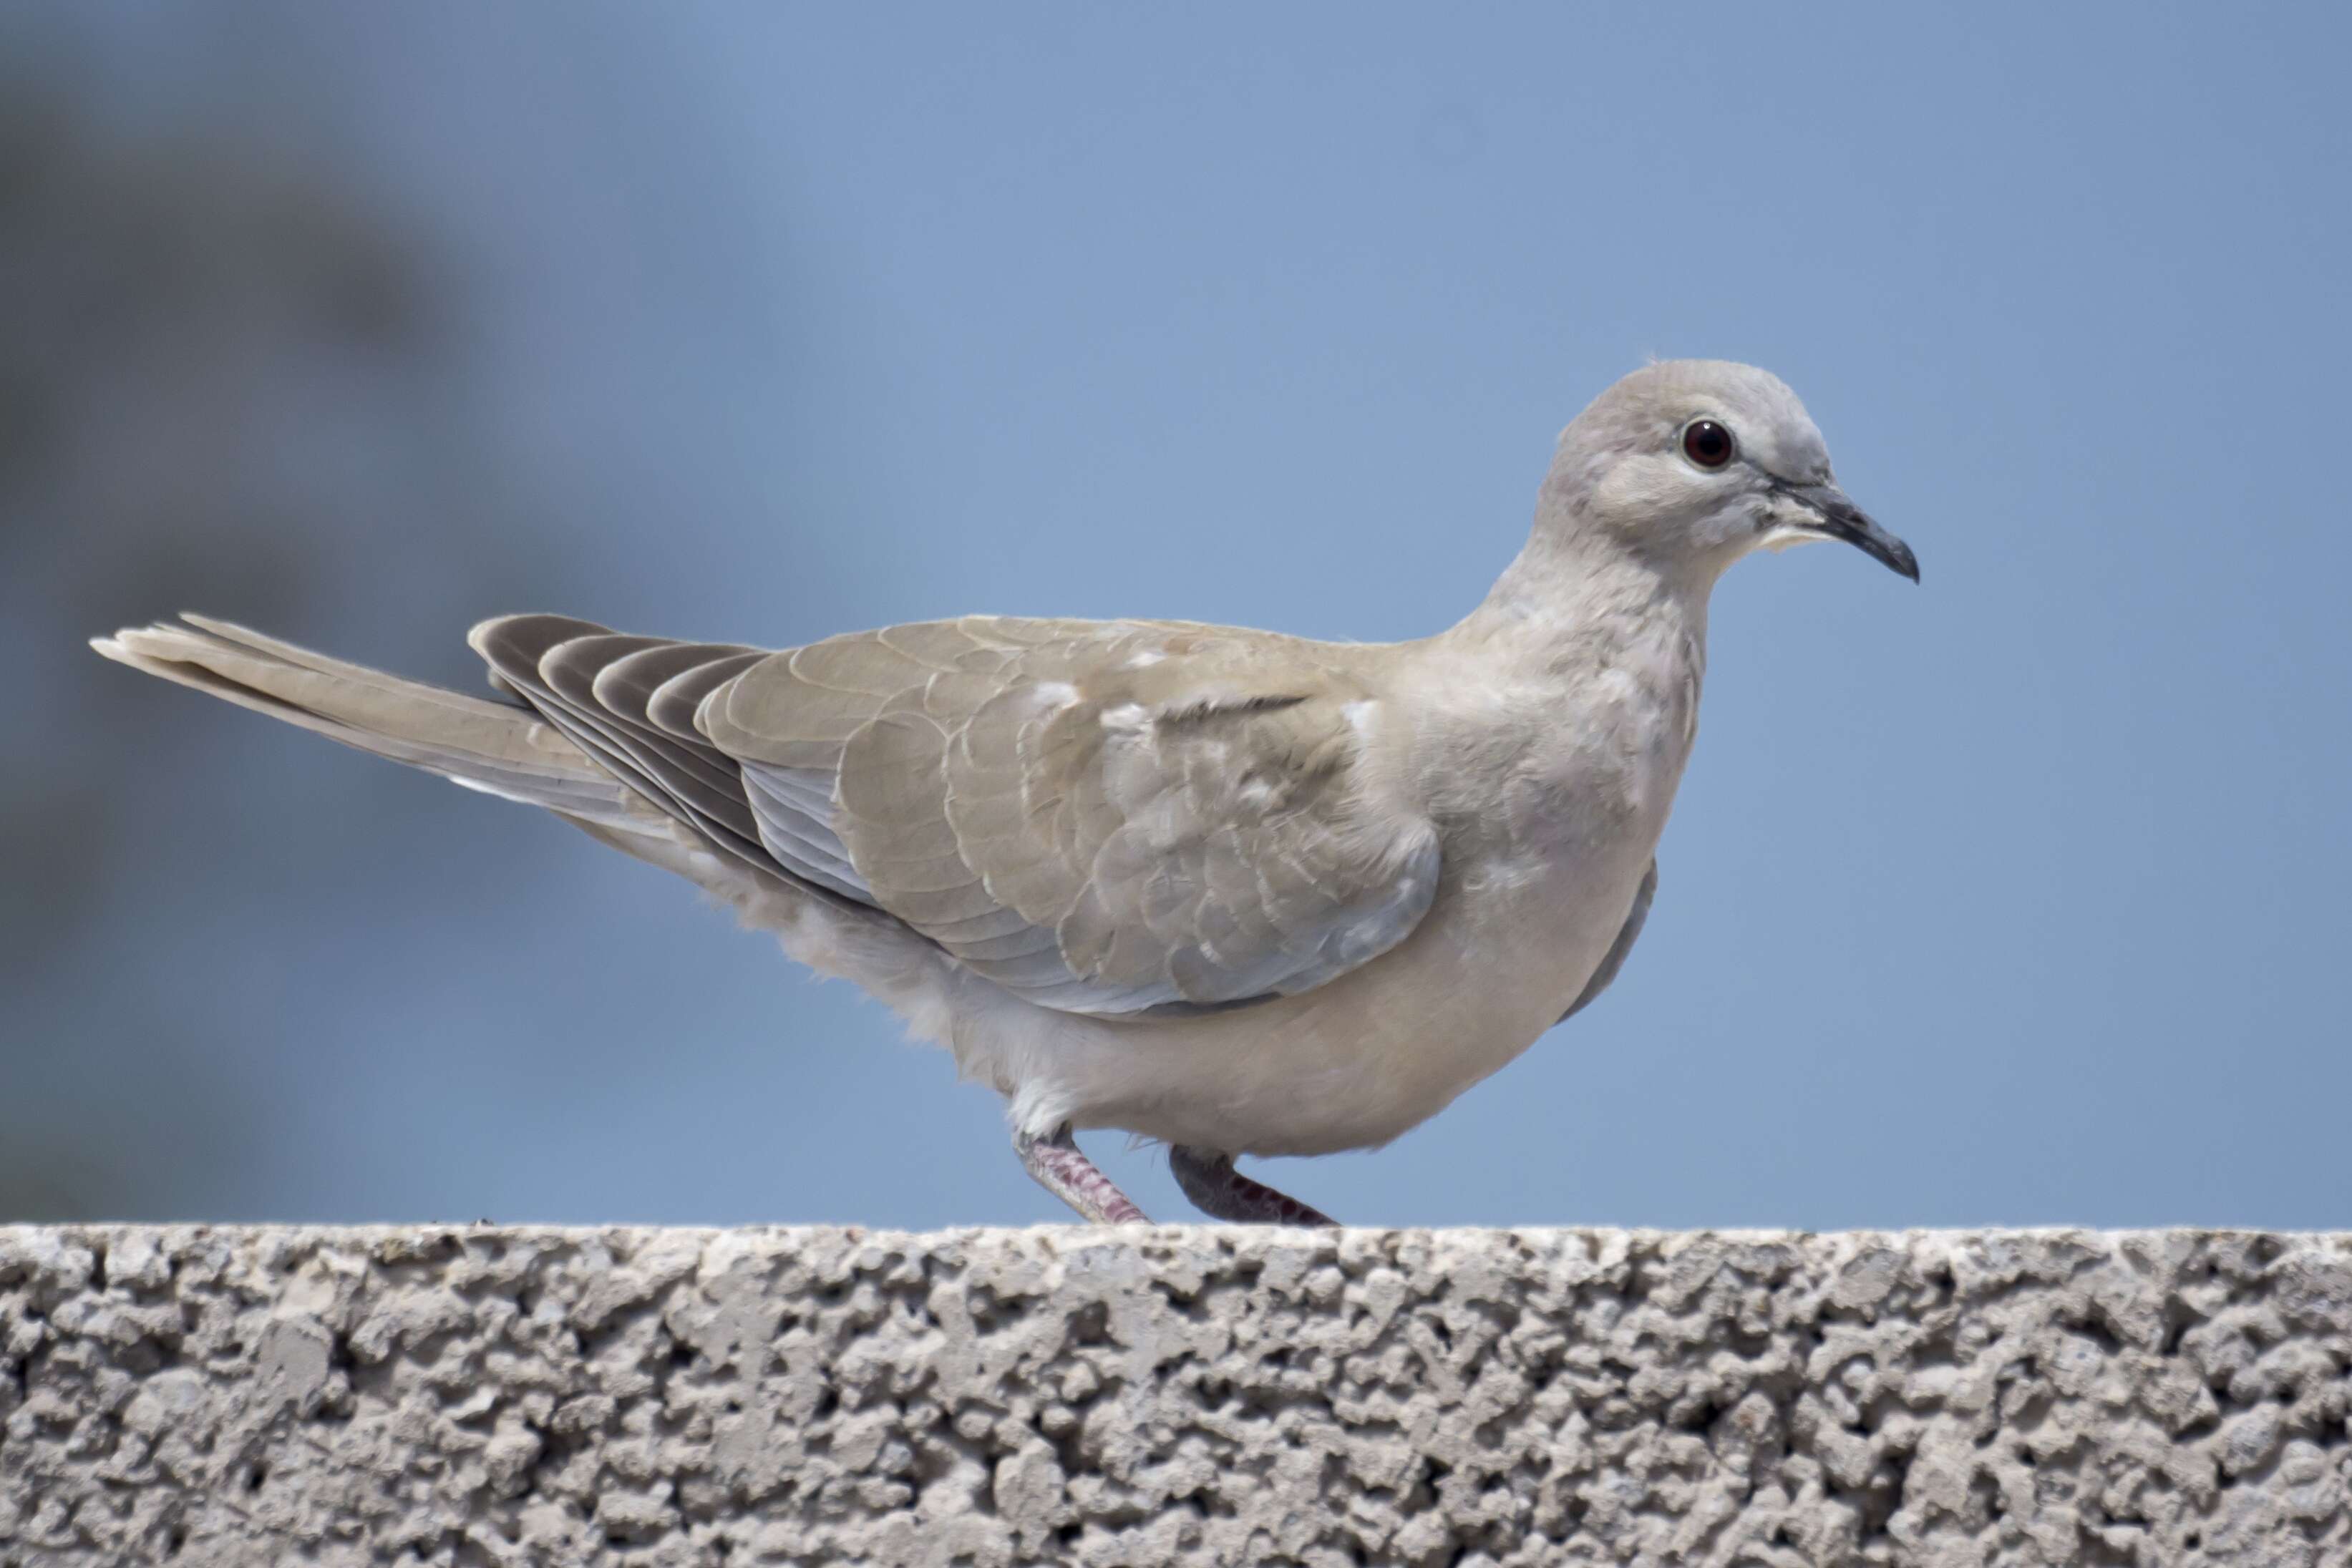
{"x":197,"y":1396}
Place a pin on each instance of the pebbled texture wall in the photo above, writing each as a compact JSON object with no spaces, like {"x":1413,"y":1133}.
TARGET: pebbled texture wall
{"x":200,"y":1396}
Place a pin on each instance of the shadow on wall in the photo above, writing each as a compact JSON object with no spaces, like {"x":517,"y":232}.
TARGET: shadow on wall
{"x":226,"y":380}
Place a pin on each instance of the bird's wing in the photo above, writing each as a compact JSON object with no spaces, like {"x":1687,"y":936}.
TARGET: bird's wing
{"x":1103,"y":817}
{"x":1627,"y":934}
{"x":1113,"y":818}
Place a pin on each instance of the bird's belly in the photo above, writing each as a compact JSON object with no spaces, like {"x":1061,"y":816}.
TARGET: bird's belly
{"x":1361,"y":1060}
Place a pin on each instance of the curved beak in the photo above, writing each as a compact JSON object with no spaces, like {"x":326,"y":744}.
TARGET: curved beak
{"x":1833,"y":516}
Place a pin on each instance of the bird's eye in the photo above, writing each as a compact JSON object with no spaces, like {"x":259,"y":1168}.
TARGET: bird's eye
{"x":1707,"y":444}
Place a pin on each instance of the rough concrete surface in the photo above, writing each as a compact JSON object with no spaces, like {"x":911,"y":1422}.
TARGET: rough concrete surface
{"x":218,"y":1394}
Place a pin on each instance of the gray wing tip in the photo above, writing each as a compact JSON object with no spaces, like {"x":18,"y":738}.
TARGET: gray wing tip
{"x":513,"y":645}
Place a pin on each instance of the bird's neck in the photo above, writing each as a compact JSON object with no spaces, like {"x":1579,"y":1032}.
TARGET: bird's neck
{"x":1572,"y":603}
{"x":1559,"y":713}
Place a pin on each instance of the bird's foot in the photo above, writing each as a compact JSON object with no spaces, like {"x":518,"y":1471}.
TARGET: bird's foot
{"x":1222,"y":1192}
{"x":1061,"y":1169}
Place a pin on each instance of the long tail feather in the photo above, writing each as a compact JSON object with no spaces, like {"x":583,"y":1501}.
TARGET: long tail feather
{"x":502,"y":748}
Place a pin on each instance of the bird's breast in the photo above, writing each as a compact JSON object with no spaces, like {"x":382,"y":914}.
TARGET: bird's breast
{"x":1354,"y":1063}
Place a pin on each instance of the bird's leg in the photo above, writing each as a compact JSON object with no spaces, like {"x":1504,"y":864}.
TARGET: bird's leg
{"x":1222,"y":1192}
{"x":1063,"y":1170}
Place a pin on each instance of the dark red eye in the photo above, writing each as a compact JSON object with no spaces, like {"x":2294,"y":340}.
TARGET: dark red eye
{"x":1707,"y":444}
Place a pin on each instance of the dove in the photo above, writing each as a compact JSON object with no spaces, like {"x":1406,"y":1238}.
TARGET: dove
{"x":1230,"y":891}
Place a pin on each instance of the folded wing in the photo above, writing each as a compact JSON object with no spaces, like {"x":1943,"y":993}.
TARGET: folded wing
{"x":1115,"y":819}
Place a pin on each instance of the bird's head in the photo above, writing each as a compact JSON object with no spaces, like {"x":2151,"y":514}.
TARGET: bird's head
{"x":1695,"y":462}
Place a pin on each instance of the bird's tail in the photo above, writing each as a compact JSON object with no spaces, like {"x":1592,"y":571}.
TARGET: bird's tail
{"x":503,"y":749}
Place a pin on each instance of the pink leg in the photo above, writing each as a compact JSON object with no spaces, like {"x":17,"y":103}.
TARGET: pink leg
{"x":1222,"y":1192}
{"x":1061,"y":1169}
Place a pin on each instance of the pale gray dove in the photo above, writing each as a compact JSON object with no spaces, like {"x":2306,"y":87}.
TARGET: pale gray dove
{"x":1237,"y":892}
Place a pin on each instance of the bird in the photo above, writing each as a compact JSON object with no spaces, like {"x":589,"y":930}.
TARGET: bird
{"x":1229,"y":890}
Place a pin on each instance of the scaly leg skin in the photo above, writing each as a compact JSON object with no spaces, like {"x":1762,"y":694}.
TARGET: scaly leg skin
{"x":1061,"y":1169}
{"x":1222,"y":1192}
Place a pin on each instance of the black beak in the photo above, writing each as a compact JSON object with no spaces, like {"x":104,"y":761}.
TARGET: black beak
{"x":1840,"y":519}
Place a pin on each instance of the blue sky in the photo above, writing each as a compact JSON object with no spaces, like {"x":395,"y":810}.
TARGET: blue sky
{"x":2016,"y":897}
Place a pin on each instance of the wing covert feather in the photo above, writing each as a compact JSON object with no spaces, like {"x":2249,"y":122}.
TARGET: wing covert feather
{"x":1106,"y":818}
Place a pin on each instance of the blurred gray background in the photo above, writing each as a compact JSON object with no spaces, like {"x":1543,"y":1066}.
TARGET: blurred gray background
{"x":2017,"y":897}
